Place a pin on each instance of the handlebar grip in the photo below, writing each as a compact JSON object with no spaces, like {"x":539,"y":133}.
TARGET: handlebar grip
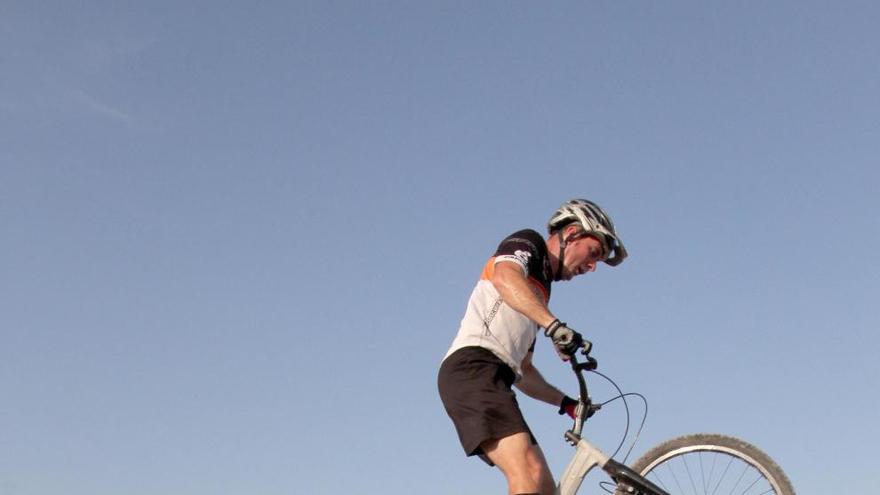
{"x":587,"y":346}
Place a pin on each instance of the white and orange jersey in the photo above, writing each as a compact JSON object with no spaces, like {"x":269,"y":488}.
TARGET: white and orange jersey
{"x":490,"y":323}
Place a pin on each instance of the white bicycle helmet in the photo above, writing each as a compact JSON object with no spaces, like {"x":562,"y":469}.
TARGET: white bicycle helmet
{"x":594,"y":221}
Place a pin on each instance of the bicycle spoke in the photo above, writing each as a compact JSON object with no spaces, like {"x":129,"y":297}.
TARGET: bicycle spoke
{"x":746,"y":467}
{"x":757,"y":479}
{"x":688,"y":470}
{"x":655,"y":475}
{"x":711,"y":473}
{"x":674,"y":477}
{"x":723,"y":475}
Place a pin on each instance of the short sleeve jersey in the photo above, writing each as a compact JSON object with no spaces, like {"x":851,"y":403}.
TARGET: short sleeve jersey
{"x":488,"y":321}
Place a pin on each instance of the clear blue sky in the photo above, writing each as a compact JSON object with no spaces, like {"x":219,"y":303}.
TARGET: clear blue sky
{"x":237,"y":238}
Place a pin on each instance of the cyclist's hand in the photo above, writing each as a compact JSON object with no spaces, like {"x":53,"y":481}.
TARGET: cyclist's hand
{"x":568,"y":406}
{"x":566,"y":340}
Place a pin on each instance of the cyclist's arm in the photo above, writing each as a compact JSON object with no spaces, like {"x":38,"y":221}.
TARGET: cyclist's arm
{"x":517,"y":292}
{"x":534,"y":385}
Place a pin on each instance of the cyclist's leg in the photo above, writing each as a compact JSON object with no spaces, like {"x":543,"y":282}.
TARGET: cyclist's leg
{"x":522,"y":463}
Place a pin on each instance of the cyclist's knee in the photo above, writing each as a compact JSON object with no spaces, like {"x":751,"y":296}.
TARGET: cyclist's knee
{"x":530,"y":475}
{"x":522,"y":463}
{"x":522,"y":476}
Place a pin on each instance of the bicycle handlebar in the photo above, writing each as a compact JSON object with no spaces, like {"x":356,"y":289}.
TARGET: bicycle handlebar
{"x":585,"y":407}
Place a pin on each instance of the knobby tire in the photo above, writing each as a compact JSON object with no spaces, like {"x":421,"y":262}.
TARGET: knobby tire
{"x":712,"y":464}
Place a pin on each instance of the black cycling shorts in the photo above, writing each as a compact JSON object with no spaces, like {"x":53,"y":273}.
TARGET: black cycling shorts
{"x":475,"y":387}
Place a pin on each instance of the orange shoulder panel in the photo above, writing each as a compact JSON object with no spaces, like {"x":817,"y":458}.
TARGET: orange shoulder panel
{"x":488,"y":270}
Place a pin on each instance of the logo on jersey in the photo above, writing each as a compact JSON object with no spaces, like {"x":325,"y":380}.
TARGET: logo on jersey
{"x":523,"y":256}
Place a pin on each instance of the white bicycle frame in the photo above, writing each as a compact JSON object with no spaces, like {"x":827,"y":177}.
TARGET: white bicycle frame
{"x":586,"y":456}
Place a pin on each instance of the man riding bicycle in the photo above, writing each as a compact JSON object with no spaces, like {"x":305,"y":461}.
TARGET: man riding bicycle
{"x":493,"y":348}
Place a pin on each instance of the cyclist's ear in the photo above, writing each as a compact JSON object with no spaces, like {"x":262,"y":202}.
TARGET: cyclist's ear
{"x":571,"y":230}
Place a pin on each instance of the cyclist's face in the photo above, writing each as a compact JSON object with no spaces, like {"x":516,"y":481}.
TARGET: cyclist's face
{"x":581,"y":256}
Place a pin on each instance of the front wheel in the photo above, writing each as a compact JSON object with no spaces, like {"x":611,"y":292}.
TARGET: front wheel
{"x":712,"y":464}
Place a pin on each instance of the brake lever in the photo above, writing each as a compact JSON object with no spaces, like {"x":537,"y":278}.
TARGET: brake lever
{"x":589,"y":365}
{"x":587,"y":346}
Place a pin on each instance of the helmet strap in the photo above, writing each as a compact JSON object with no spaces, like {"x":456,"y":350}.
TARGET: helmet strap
{"x":562,"y":242}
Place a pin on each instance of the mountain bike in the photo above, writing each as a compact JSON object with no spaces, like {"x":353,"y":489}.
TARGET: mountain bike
{"x":691,"y":464}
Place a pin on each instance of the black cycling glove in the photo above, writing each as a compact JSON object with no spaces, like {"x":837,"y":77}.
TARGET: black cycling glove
{"x":566,"y":340}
